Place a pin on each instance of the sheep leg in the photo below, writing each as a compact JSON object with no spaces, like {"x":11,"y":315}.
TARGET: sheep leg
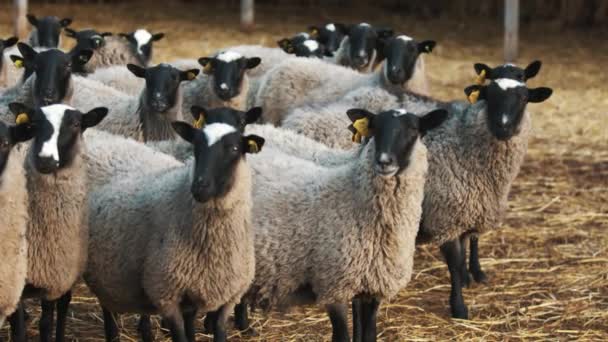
{"x":109,"y":326}
{"x":62,"y":313}
{"x":357,"y":320}
{"x":370,"y":313}
{"x":219,"y":328}
{"x":464,"y":272}
{"x":452,"y":253}
{"x":17,"y":322}
{"x":45,"y":326}
{"x":209,"y":322}
{"x":474,"y":264}
{"x":189,"y":318}
{"x":339,"y":322}
{"x":176,"y":325}
{"x":144,"y":327}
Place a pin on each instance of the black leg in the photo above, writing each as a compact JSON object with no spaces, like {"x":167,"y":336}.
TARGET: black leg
{"x":241,"y":316}
{"x":189,"y":319}
{"x":176,"y":325}
{"x":452,"y":253}
{"x":109,"y":326}
{"x":339,"y":322}
{"x":63,"y":305}
{"x":464,"y":272}
{"x":145,"y":328}
{"x":209,"y":322}
{"x":45,"y":325}
{"x":357,"y":320}
{"x":17,"y":322}
{"x":219,"y":328}
{"x":474,"y":264}
{"x":370,"y":312}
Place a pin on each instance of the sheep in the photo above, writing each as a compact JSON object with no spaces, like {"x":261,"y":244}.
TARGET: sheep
{"x":362,"y":48}
{"x":13,"y":220}
{"x":5,"y":79}
{"x":363,"y":246}
{"x":301,"y":45}
{"x":57,"y":232}
{"x":141,"y":40}
{"x":330,"y":35}
{"x":46,"y":31}
{"x":313,"y":81}
{"x":226,"y":82}
{"x":166,"y":274}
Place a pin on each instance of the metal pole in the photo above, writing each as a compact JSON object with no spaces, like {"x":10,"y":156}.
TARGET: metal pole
{"x":247,"y":14}
{"x":511,"y":30}
{"x":20,"y":10}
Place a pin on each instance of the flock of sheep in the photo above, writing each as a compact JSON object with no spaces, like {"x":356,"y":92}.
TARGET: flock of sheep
{"x":103,"y":180}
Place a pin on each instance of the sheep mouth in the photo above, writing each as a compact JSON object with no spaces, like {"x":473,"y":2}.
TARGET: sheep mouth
{"x":386,"y":171}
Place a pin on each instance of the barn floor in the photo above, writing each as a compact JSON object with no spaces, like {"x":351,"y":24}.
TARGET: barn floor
{"x":548,"y":265}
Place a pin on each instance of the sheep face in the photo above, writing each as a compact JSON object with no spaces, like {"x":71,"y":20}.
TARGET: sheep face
{"x":506,"y":102}
{"x":228,"y":69}
{"x":4,"y":44}
{"x":401,"y":55}
{"x":395,"y":133}
{"x":87,"y":39}
{"x":363,"y":40}
{"x":9,"y":137}
{"x":509,"y":71}
{"x":233,"y":117}
{"x":48,"y":29}
{"x":57,"y":129}
{"x":303,"y":47}
{"x":141,"y":40}
{"x":218,"y":148}
{"x":53,"y":69}
{"x":162,"y":84}
{"x":330,"y":35}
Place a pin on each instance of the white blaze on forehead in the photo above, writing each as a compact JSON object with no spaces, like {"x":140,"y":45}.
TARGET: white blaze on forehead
{"x":229,"y":56}
{"x":365,"y":24}
{"x":311,"y":45}
{"x":507,"y":83}
{"x":405,"y":38}
{"x":54,"y":115}
{"x":399,"y":112}
{"x":142,"y":37}
{"x":505,"y":119}
{"x":303,"y":35}
{"x":223,"y":86}
{"x":330,"y":27}
{"x":216,"y":131}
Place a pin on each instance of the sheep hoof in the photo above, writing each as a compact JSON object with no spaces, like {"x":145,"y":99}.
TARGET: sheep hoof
{"x":460,"y":312}
{"x":249,"y":332}
{"x":467,"y":280}
{"x":480,"y":277}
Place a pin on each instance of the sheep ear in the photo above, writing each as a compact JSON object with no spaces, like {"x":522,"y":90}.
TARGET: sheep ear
{"x":205,"y":62}
{"x":94,"y":117}
{"x":357,"y":113}
{"x":184,"y":130}
{"x":475,"y":92}
{"x":18,"y":61}
{"x":480,"y":68}
{"x":32,"y":19}
{"x":21,"y":133}
{"x":431,"y":120}
{"x":532,"y":69}
{"x":65,"y":22}
{"x":82,"y":57}
{"x":313,"y":31}
{"x":10,"y":42}
{"x":253,"y":115}
{"x":199,"y":114}
{"x":189,"y":75}
{"x":286,"y":45}
{"x":70,"y":33}
{"x":426,"y":46}
{"x":253,"y":62}
{"x":137,"y":70}
{"x":253,"y":143}
{"x":158,"y":36}
{"x":27,"y":52}
{"x":541,"y":94}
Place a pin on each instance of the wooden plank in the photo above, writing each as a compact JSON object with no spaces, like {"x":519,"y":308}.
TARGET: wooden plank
{"x":511,"y":30}
{"x":247,"y":14}
{"x":20,"y":10}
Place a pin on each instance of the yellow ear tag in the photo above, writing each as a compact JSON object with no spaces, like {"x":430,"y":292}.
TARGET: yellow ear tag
{"x":18,"y":64}
{"x":253,"y":146}
{"x":207,"y":68}
{"x":200,"y":122}
{"x":22,"y":118}
{"x":481,"y":78}
{"x":190,"y":76}
{"x":362,"y":129}
{"x":473,"y":96}
{"x":314,"y":32}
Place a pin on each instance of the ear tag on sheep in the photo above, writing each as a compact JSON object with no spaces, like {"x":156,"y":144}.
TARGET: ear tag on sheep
{"x":18,"y":64}
{"x":207,"y":68}
{"x":481,"y":78}
{"x":361,"y":129}
{"x":190,"y":75}
{"x":253,"y":146}
{"x":200,"y":122}
{"x":22,"y":118}
{"x":314,"y":32}
{"x":473,"y":96}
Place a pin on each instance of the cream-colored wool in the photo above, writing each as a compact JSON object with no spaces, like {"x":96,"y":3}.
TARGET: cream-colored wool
{"x":116,"y":51}
{"x":119,"y":78}
{"x":305,"y":81}
{"x":13,"y":226}
{"x":152,"y":245}
{"x":364,"y":244}
{"x":270,"y":57}
{"x":57,"y":233}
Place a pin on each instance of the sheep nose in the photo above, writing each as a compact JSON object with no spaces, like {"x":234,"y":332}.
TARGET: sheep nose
{"x":362,"y":54}
{"x":385,"y":160}
{"x":203,"y":183}
{"x":158,"y":95}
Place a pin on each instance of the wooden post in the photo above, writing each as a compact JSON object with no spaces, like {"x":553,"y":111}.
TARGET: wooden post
{"x":247,"y":14}
{"x":511,"y":29}
{"x":20,"y":10}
